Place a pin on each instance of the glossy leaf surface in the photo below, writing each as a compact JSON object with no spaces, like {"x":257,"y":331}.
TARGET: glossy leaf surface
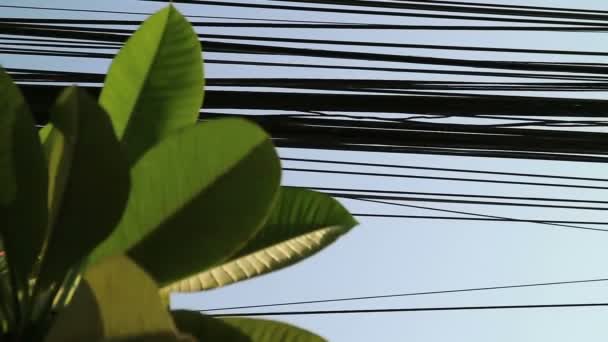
{"x":237,"y":329}
{"x":301,"y":223}
{"x":116,"y":300}
{"x":155,"y":83}
{"x":261,"y":330}
{"x":206,"y":328}
{"x":196,"y":198}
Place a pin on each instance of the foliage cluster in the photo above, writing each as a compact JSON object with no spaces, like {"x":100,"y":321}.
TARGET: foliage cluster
{"x":116,"y":203}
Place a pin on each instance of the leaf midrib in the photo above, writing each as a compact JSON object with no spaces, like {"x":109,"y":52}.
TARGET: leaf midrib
{"x":147,"y":76}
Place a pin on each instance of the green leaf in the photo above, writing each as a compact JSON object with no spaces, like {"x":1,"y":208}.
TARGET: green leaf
{"x":261,"y":330}
{"x":7,"y":319}
{"x":155,"y":83}
{"x":196,"y":198}
{"x":301,"y":223}
{"x":8,"y":190}
{"x":44,"y":133}
{"x":116,"y":300}
{"x":88,"y":183}
{"x":158,"y":337}
{"x":23,"y":185}
{"x":240,"y":329}
{"x":206,"y":328}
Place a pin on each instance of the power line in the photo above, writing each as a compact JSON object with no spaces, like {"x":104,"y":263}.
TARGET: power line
{"x":326,"y":53}
{"x":409,"y":294}
{"x":395,"y":70}
{"x":385,"y":5}
{"x":454,"y":218}
{"x":422,"y":309}
{"x":558,"y":9}
{"x":460,"y":201}
{"x":518,"y":198}
{"x":363,"y":26}
{"x":452,"y":7}
{"x":341,"y":162}
{"x":386,"y":57}
{"x":458,"y":179}
{"x":419,"y":15}
{"x":346,"y":42}
{"x":427,"y":138}
{"x":358,"y":85}
{"x":131,"y":22}
{"x":72,"y":9}
{"x":483,"y":215}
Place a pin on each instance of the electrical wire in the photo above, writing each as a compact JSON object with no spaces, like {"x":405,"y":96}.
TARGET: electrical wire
{"x":458,"y":179}
{"x":419,"y":309}
{"x":442,"y":194}
{"x":560,"y":225}
{"x":426,"y":168}
{"x":408,"y":294}
{"x":454,"y":218}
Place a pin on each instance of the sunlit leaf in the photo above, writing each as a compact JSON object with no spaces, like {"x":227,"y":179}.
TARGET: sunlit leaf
{"x":158,"y":337}
{"x":237,"y":329}
{"x":44,"y":133}
{"x":261,"y":330}
{"x":206,"y":328}
{"x":196,"y":198}
{"x":301,"y":223}
{"x":155,"y":83}
{"x":117,"y":300}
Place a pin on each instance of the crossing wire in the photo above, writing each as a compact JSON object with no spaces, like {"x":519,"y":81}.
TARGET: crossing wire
{"x":559,"y":225}
{"x":408,"y":294}
{"x":419,"y":309}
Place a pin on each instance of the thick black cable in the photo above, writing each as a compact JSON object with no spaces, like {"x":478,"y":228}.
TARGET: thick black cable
{"x":290,"y":132}
{"x":413,"y":133}
{"x":341,"y":84}
{"x":383,"y":57}
{"x":415,"y":15}
{"x":403,"y":86}
{"x":458,"y":179}
{"x":325,"y":53}
{"x":387,"y":13}
{"x":363,"y":26}
{"x":509,"y":6}
{"x":407,"y":46}
{"x":408,"y":294}
{"x":114,"y":22}
{"x":388,"y":87}
{"x":148,"y":14}
{"x":413,"y":70}
{"x":517,"y":174}
{"x":72,"y":10}
{"x":454,"y":8}
{"x":390,"y":137}
{"x":445,"y":151}
{"x":400,"y":45}
{"x":410,"y":70}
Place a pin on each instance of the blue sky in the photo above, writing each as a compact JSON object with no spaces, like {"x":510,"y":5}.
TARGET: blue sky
{"x":384,"y":256}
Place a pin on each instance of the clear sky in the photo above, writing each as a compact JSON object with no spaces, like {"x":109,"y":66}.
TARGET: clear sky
{"x":385,"y":256}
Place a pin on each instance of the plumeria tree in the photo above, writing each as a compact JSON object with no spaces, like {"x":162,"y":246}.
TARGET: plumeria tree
{"x":117,"y":203}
